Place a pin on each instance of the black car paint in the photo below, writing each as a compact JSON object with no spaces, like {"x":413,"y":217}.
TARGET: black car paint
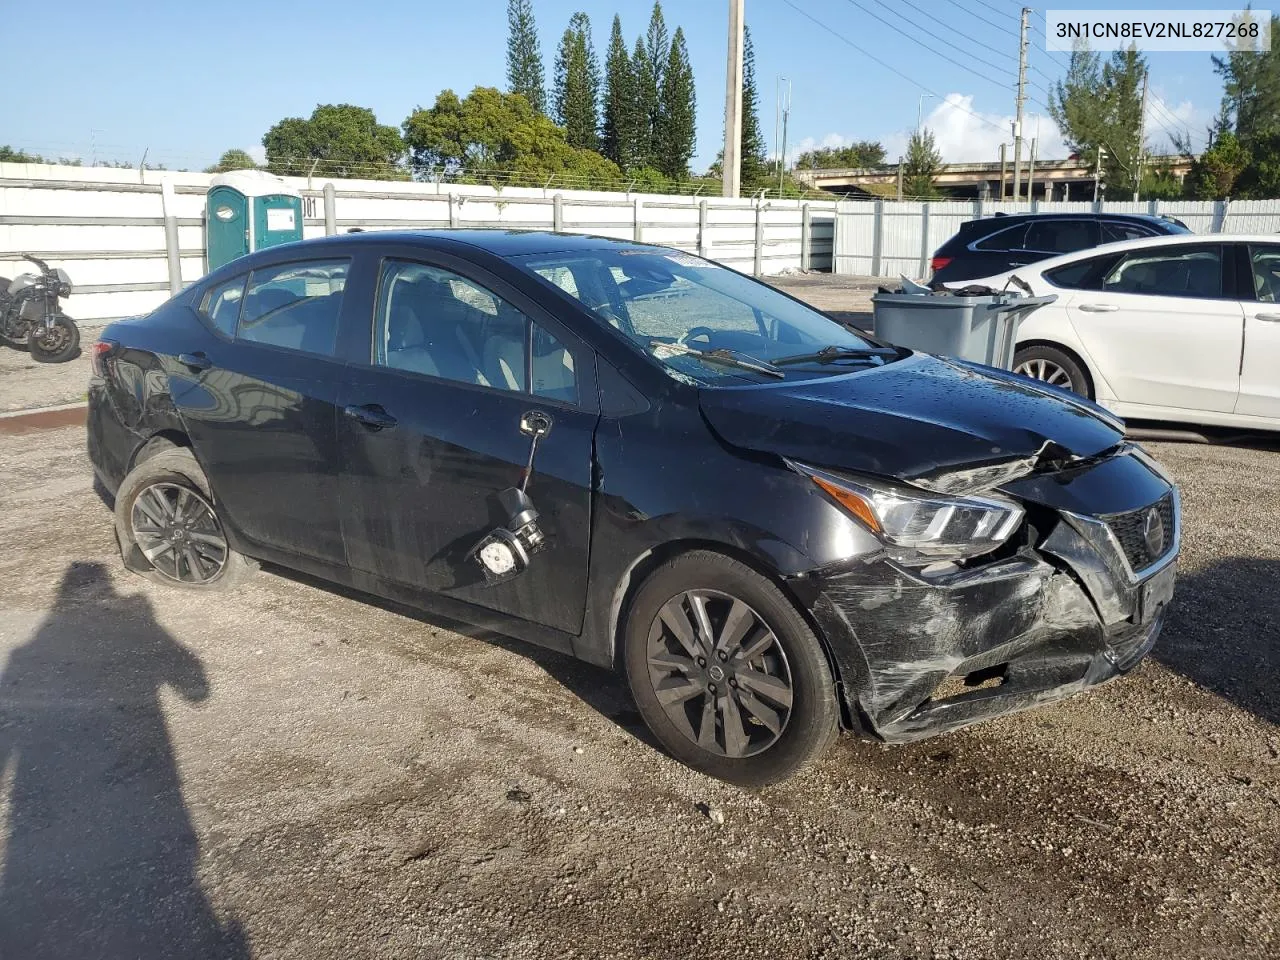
{"x":646,"y":466}
{"x":966,"y":263}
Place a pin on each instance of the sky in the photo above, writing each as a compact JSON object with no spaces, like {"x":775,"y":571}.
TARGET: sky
{"x":186,"y":81}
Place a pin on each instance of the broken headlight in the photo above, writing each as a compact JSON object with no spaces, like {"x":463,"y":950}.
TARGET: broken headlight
{"x":918,"y":527}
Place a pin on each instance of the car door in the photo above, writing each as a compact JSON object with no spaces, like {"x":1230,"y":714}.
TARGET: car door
{"x":997,"y":252}
{"x":1052,"y":237}
{"x":431,"y":435}
{"x":258,"y":397}
{"x":1260,"y":363}
{"x":1164,"y":327}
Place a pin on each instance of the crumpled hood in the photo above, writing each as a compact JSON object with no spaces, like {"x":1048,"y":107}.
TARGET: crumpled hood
{"x":917,"y":419}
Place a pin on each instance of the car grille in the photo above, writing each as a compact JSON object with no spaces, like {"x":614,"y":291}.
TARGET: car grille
{"x":1130,"y":530}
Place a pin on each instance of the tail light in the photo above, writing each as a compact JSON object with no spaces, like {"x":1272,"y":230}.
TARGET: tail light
{"x":937,"y":263}
{"x":102,"y":350}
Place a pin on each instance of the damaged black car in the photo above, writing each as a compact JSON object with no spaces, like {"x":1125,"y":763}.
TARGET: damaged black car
{"x":775,"y":527}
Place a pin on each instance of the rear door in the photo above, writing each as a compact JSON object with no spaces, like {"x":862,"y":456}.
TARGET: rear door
{"x":1164,"y":327}
{"x":430,"y":436}
{"x":259,"y":397}
{"x":1260,"y":365}
{"x":1054,"y":237}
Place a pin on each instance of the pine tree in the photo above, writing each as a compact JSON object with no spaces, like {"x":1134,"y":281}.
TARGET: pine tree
{"x":645,"y":104}
{"x":524,"y":56}
{"x":578,"y":85}
{"x":922,"y":164}
{"x":619,"y":101}
{"x":657,"y":51}
{"x":754,"y":170}
{"x":676,"y":120}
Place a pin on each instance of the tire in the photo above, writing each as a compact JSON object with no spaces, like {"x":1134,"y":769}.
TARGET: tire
{"x":1055,"y":367}
{"x":56,"y":345}
{"x":773,"y":741}
{"x":191,"y":559}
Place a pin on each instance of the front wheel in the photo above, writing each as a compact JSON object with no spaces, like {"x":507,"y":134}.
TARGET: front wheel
{"x":54,"y":343}
{"x":726,"y":673}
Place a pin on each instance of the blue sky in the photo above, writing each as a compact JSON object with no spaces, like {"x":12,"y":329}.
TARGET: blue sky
{"x":188,"y":80}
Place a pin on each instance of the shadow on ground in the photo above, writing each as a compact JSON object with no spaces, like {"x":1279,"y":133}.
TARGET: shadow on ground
{"x":1224,"y":632}
{"x":100,"y":852}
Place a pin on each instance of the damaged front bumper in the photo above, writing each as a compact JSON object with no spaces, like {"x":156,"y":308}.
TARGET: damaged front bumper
{"x":1078,"y":605}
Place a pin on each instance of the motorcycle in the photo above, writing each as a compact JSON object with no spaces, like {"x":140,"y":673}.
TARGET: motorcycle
{"x":30,"y":316}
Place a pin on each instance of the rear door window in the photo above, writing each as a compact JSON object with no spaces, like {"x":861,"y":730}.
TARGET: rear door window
{"x":1008,"y":239}
{"x":295,"y":305}
{"x":1061,"y":236}
{"x":1185,"y":271}
{"x":1114,"y":231}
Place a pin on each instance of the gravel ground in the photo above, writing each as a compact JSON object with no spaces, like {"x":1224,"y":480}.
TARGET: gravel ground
{"x":292,"y":772}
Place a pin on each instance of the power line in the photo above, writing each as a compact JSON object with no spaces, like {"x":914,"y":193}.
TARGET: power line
{"x":959,"y":33}
{"x":887,"y":66}
{"x":999,"y":13}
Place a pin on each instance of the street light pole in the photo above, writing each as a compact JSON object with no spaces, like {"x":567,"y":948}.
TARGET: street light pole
{"x":732,"y":165}
{"x":920,"y":110}
{"x":785,"y":111}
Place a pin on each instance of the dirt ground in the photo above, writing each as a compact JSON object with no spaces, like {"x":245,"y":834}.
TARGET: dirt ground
{"x":289,"y":771}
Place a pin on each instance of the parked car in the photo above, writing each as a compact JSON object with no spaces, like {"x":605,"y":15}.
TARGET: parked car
{"x":992,"y":245}
{"x":1182,"y":328}
{"x":775,"y":527}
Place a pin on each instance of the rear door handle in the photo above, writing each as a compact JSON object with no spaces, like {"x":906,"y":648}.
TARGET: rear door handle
{"x":371,"y":415}
{"x":195,"y":361}
{"x":1269,"y":317}
{"x":1099,"y":307}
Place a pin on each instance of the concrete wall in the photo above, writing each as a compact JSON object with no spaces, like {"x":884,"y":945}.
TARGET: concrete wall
{"x":886,"y":238}
{"x":105,"y":227}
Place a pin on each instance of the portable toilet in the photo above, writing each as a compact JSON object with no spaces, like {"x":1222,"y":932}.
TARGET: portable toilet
{"x":249,"y":210}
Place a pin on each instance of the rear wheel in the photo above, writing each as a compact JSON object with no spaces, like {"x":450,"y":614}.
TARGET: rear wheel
{"x":169,"y":529}
{"x":726,"y":673}
{"x":1053,"y":366}
{"x":54,"y":343}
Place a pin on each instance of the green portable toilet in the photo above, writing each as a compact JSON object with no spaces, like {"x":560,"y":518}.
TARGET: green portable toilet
{"x":249,"y":210}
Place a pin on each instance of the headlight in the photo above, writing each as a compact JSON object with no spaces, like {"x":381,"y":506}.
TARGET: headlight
{"x":918,"y":527}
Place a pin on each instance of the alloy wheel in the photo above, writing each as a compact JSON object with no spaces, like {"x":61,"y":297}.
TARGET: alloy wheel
{"x":1046,"y":370}
{"x":720,"y":673}
{"x":178,"y":532}
{"x":51,"y":339}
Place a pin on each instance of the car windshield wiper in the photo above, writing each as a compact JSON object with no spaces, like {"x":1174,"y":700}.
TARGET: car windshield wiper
{"x":833,"y":353}
{"x":723,"y":355}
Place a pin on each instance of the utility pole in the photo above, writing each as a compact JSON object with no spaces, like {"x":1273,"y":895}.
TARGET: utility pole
{"x":732,"y":165}
{"x":1142,"y":139}
{"x":1031,"y":173}
{"x":1003,"y":170}
{"x":899,"y":178}
{"x":1019,"y":101}
{"x":784,"y":108}
{"x":1097,"y":173}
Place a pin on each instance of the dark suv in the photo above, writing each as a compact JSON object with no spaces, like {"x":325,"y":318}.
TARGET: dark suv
{"x":993,"y":245}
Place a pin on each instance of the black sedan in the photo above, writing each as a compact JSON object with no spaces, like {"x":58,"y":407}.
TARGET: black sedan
{"x":776,"y":527}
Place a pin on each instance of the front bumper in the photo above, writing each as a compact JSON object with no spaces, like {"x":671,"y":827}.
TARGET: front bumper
{"x":923,"y":655}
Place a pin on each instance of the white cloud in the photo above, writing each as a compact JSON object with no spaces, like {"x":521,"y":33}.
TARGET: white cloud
{"x":1165,"y":118}
{"x":259,"y":154}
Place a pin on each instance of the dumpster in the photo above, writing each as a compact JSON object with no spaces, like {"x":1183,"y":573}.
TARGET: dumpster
{"x":249,"y":210}
{"x":983,"y":329}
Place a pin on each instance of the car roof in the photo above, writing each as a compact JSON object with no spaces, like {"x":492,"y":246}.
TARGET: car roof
{"x":501,"y":243}
{"x":1082,"y":215}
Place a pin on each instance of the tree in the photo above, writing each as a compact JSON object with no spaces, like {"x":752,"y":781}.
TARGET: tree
{"x":10,"y":155}
{"x":578,"y":85}
{"x":864,"y":153}
{"x":348,"y":140}
{"x":233,"y":159}
{"x":1100,"y":105}
{"x":755,"y":173}
{"x":495,"y":137}
{"x":1251,"y":89}
{"x":657,"y":52}
{"x":621,"y":113}
{"x":922,"y":164}
{"x":676,"y":118}
{"x":646,"y":103}
{"x":1214,"y":173}
{"x":524,"y":55}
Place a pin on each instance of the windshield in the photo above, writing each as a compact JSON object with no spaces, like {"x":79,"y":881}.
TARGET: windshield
{"x":702,"y":320}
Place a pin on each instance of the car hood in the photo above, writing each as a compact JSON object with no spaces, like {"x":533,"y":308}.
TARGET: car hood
{"x":946,"y":425}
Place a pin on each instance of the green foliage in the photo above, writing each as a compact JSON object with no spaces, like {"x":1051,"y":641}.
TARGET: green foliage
{"x":921,"y":165}
{"x":646,"y":90}
{"x":9,"y":154}
{"x":347,"y":139}
{"x":755,"y":172}
{"x":1214,"y":173}
{"x":1251,"y":89}
{"x":864,"y":153}
{"x":1161,"y":183}
{"x":233,"y":159}
{"x":621,"y":109}
{"x":656,"y":51}
{"x":524,"y":55}
{"x":578,"y":85}
{"x":677,"y":122}
{"x":491,"y":134}
{"x":1099,"y":105}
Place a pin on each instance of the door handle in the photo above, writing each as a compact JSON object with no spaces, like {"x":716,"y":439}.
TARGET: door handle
{"x":370,"y":415}
{"x":1269,"y":317}
{"x":195,"y":361}
{"x":1099,"y":307}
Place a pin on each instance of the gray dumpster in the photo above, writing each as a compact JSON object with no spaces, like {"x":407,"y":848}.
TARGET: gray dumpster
{"x":983,"y":329}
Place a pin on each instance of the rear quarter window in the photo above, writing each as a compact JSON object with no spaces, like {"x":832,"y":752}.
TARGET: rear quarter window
{"x":1010,"y":238}
{"x":220,"y":305}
